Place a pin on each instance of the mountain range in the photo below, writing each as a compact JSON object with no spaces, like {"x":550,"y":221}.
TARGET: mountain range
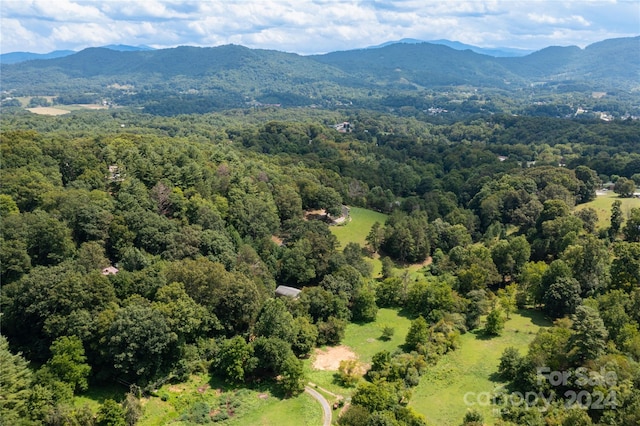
{"x":233,"y":75}
{"x":16,"y":57}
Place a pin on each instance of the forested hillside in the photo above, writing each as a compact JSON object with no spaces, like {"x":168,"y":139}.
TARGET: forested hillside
{"x":202,"y":216}
{"x":411,"y":76}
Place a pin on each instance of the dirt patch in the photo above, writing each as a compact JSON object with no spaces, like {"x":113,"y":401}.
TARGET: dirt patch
{"x":203,"y":389}
{"x":48,"y":111}
{"x":330,"y":358}
{"x":176,"y":389}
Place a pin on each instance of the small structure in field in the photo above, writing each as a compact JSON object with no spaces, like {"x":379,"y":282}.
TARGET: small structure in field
{"x":110,"y":270}
{"x":285,"y":291}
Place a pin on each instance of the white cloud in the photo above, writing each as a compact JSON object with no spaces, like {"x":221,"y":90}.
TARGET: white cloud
{"x":311,"y":26}
{"x":554,"y":20}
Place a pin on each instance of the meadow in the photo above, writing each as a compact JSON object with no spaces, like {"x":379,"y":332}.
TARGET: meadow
{"x":356,"y":229}
{"x":603,"y":203}
{"x":471,"y":371}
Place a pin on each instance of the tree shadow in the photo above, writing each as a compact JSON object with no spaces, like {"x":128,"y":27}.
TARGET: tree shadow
{"x":480,"y":334}
{"x":537,"y":317}
{"x":100,"y":392}
{"x":496,"y":377}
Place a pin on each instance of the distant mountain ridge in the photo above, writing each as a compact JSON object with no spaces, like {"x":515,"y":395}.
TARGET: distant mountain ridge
{"x":456,"y":45}
{"x":16,"y":57}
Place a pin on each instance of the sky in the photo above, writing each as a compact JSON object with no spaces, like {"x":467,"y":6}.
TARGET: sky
{"x":310,"y":26}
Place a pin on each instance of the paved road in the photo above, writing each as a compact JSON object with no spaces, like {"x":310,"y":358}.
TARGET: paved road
{"x":326,"y":408}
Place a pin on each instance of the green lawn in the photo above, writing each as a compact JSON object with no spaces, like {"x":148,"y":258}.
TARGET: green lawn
{"x":365,"y":340}
{"x":602,"y":205}
{"x":470,"y":370}
{"x":357,"y":229}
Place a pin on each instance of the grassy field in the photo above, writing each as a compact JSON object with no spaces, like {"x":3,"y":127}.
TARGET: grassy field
{"x":440,"y":396}
{"x":365,"y":340}
{"x":357,"y":229}
{"x":602,"y":205}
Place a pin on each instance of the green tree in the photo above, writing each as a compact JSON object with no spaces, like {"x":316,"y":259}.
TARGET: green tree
{"x":507,"y":297}
{"x":253,"y":214}
{"x":478,"y":306}
{"x":562,"y":297}
{"x":15,"y":385}
{"x":495,"y":322}
{"x":375,"y":236}
{"x":331,"y":331}
{"x":274,"y":320}
{"x":305,"y":338}
{"x":473,"y":418}
{"x":589,"y":339}
{"x":418,"y":334}
{"x":625,"y":267}
{"x":530,"y":281}
{"x":616,"y":219}
{"x":510,"y":363}
{"x":111,"y":414}
{"x":589,"y":182}
{"x":364,"y":306}
{"x":625,"y":187}
{"x":589,"y":262}
{"x":288,"y":202}
{"x":14,"y":260}
{"x":270,"y":354}
{"x":49,"y":241}
{"x":184,"y":316}
{"x":510,"y":256}
{"x":140,"y":343}
{"x":234,"y":359}
{"x":379,"y":396}
{"x":355,"y":415}
{"x":631,"y":230}
{"x":292,"y":378}
{"x":589,"y":218}
{"x":68,"y":362}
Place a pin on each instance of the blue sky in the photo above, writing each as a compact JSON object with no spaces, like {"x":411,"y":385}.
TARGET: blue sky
{"x":310,"y":26}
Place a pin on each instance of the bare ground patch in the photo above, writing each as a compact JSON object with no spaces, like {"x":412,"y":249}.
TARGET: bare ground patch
{"x":48,"y":111}
{"x":330,"y":358}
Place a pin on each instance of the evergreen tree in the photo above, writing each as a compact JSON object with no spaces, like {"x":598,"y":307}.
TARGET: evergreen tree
{"x":589,"y":339}
{"x":15,"y":385}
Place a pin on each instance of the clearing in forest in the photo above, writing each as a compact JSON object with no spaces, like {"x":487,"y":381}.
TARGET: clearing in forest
{"x":602,"y":205}
{"x":461,"y":379}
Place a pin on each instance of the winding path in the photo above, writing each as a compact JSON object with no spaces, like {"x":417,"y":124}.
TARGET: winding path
{"x":326,"y":408}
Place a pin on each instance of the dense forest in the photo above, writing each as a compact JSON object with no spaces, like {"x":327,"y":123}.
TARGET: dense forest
{"x":138,"y":249}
